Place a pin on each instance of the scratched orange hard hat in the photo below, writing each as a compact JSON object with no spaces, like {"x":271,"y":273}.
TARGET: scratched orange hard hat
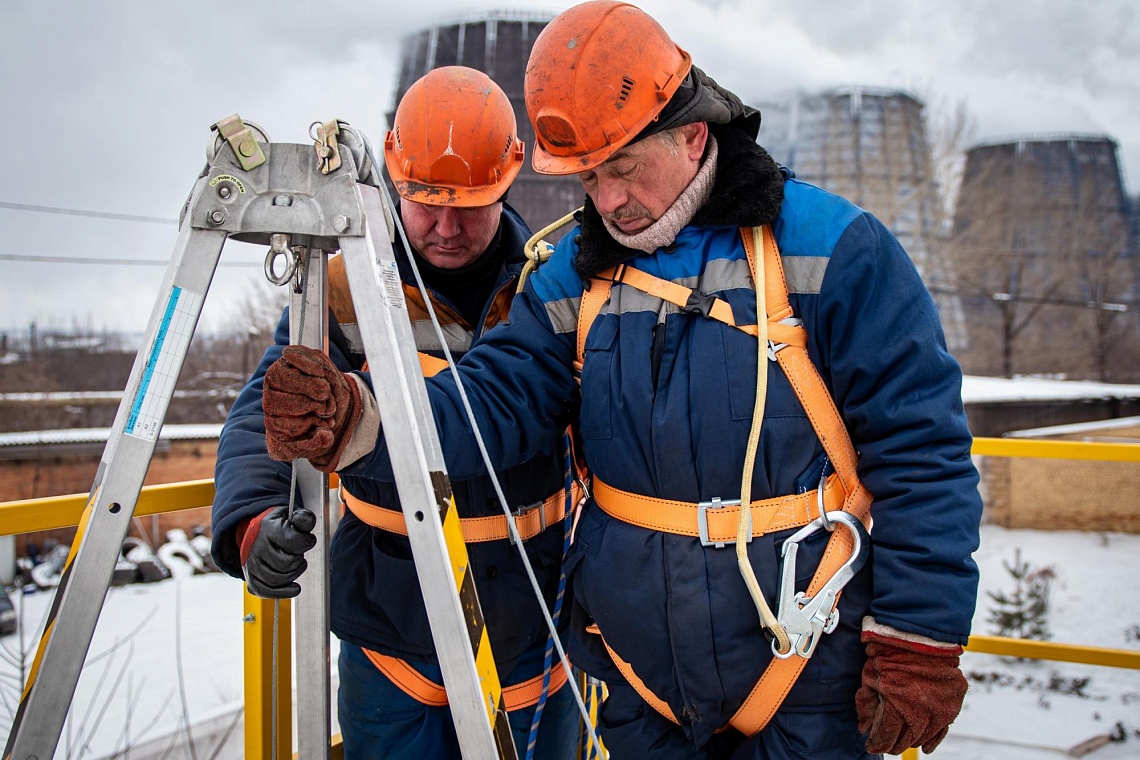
{"x":454,"y":141}
{"x":598,"y":74}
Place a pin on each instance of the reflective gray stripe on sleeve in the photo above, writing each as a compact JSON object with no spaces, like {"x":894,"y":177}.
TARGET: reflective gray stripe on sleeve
{"x":722,"y":275}
{"x":563,"y":314}
{"x":804,"y":273}
{"x":458,"y":338}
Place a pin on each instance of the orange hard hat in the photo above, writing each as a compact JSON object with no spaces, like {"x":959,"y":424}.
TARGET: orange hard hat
{"x":598,"y":74}
{"x":454,"y":141}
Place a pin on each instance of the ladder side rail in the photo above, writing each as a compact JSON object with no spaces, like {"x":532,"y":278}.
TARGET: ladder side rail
{"x":79,"y":598}
{"x":421,"y":480}
{"x":308,"y":314}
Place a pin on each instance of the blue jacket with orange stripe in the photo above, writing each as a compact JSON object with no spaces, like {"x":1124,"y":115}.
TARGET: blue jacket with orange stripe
{"x":665,"y":409}
{"x":373,"y":578}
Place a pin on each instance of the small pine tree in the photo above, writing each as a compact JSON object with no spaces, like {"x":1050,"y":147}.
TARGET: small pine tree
{"x":1022,"y":613}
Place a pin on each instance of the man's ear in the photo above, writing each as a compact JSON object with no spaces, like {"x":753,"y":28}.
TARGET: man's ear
{"x":694,"y":137}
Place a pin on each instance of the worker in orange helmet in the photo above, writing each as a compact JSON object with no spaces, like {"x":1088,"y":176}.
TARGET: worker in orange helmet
{"x":452,"y":154}
{"x":722,"y":334}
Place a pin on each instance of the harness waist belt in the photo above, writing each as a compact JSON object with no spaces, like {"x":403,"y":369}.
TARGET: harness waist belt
{"x":529,"y":521}
{"x":428,"y":692}
{"x":715,"y":522}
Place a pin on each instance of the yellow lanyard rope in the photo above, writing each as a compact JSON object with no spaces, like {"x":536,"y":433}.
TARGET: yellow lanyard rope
{"x":743,"y":528}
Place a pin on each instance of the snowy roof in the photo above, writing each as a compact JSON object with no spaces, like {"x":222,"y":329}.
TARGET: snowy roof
{"x":995,"y":390}
{"x":100,"y":435}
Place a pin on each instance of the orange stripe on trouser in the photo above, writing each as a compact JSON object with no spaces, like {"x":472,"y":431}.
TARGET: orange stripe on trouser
{"x":428,"y":692}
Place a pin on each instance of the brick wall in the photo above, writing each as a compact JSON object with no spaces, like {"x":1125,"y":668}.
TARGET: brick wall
{"x":1064,"y":494}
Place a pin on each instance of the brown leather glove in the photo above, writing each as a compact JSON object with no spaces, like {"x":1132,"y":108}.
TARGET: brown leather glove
{"x":910,"y":695}
{"x":311,"y":408}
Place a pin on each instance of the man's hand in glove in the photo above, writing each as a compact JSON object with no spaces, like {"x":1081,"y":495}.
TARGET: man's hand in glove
{"x":912,"y":690}
{"x":272,"y":551}
{"x":311,"y":408}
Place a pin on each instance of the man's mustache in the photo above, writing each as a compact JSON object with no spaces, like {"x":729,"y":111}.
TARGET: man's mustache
{"x":629,"y":211}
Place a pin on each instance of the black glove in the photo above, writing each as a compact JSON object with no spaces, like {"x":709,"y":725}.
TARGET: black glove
{"x":273,"y":551}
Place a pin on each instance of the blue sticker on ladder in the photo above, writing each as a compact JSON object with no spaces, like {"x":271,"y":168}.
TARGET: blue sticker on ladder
{"x":152,"y":359}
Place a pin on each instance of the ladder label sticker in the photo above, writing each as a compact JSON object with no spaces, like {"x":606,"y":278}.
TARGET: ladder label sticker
{"x":163,"y":362}
{"x":391,"y":286}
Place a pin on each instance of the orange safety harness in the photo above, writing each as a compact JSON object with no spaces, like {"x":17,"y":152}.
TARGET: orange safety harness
{"x":716,"y":524}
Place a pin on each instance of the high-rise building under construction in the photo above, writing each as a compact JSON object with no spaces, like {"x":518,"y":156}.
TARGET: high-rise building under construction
{"x":497,"y":43}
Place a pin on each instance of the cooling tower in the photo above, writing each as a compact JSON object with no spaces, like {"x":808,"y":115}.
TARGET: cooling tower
{"x":497,"y":43}
{"x":1044,"y":252}
{"x":869,"y":146}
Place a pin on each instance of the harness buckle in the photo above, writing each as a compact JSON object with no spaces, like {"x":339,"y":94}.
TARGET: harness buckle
{"x":699,"y":303}
{"x":523,"y":511}
{"x":774,"y":348}
{"x":703,"y":520}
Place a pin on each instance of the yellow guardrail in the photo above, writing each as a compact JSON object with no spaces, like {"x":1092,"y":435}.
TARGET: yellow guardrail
{"x":1049,"y":650}
{"x":51,"y":512}
{"x":31,"y":515}
{"x":1037,"y":449}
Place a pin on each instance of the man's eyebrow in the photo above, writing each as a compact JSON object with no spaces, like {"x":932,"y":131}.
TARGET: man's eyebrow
{"x":618,"y":155}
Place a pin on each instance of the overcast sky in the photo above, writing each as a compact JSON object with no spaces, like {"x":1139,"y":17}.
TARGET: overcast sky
{"x":107,"y":105}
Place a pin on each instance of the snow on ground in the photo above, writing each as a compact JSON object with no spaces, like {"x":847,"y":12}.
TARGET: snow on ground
{"x":131,"y":686}
{"x":1094,"y":602}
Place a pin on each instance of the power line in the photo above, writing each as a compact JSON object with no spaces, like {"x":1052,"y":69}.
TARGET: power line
{"x":114,"y":262}
{"x":80,"y":212}
{"x":1123,"y":305}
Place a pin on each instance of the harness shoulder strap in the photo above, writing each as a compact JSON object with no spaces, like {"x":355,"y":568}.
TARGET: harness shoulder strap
{"x":809,"y":387}
{"x":593,"y":298}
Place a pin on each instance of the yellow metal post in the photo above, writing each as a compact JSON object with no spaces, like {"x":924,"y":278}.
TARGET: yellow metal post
{"x":268,"y":683}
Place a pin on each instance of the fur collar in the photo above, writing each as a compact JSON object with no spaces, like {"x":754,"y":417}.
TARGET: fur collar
{"x":748,"y":191}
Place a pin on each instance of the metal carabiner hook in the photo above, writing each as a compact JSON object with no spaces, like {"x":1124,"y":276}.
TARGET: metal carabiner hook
{"x":806,"y":618}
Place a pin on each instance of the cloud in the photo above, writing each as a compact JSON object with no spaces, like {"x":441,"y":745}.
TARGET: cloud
{"x":109,"y":104}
